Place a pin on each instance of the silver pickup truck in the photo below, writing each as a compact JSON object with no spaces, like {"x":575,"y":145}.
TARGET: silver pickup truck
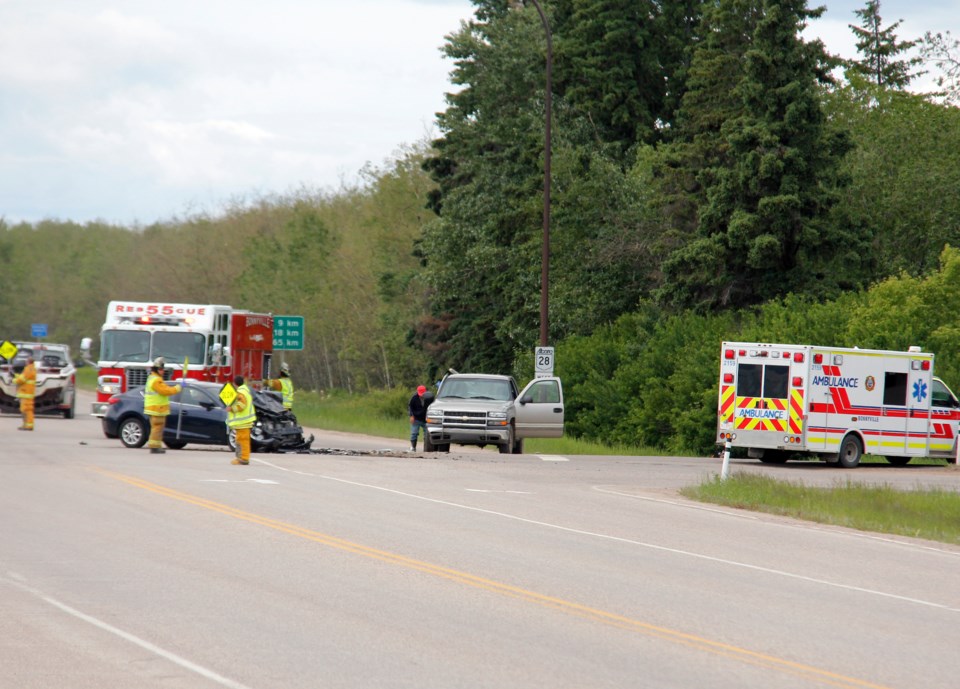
{"x":482,"y":409}
{"x":56,"y":379}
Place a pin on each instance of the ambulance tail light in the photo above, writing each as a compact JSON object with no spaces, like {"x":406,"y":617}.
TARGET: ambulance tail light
{"x":798,"y":357}
{"x":925,"y":365}
{"x":727,"y":378}
{"x":797,"y":382}
{"x":818,"y":358}
{"x":728,"y":354}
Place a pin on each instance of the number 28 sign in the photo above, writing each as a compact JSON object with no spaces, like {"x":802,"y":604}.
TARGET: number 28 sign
{"x":543,"y":362}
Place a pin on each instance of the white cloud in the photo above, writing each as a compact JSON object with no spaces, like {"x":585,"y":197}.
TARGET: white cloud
{"x":140,"y":110}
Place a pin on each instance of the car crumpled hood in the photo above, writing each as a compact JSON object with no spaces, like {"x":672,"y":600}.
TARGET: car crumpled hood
{"x":268,"y":404}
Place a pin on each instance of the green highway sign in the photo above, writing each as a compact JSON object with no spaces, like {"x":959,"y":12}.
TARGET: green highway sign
{"x":288,"y":332}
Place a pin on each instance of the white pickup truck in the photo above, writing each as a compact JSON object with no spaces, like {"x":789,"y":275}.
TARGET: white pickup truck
{"x":483,"y":409}
{"x":56,"y":379}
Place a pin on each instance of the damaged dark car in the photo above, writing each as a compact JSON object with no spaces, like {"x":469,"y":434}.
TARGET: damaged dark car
{"x":201,"y":417}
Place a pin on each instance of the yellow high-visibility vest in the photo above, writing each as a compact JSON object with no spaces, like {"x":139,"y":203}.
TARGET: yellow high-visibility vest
{"x":245,"y":414}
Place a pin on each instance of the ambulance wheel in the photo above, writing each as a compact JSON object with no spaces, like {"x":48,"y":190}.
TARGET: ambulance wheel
{"x":850,"y":452}
{"x":899,"y":461}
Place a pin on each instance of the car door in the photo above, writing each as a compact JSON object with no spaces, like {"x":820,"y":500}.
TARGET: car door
{"x":539,"y":409}
{"x":203,"y":419}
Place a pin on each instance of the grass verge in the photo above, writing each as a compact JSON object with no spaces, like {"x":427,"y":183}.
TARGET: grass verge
{"x":929,"y":514}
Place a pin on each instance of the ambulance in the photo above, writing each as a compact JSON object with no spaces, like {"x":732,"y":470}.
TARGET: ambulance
{"x":781,"y":400}
{"x":206,"y":341}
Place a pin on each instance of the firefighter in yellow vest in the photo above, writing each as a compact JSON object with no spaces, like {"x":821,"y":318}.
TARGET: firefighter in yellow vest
{"x":283,"y":385}
{"x":26,"y":382}
{"x":156,"y":404}
{"x":241,"y":415}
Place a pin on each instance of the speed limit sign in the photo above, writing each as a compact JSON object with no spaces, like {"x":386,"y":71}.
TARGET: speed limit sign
{"x":543,"y":362}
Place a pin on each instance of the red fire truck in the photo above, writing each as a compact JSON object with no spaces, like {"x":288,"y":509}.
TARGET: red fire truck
{"x":214,"y":340}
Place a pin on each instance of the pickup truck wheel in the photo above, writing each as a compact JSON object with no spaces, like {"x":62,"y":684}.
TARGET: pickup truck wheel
{"x":427,"y":445}
{"x":134,"y":432}
{"x":850,"y":452}
{"x":507,"y":446}
{"x":72,"y":410}
{"x":445,"y":447}
{"x":518,"y":447}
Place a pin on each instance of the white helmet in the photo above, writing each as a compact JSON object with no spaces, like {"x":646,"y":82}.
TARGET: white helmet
{"x":159,"y":362}
{"x":285,"y":368}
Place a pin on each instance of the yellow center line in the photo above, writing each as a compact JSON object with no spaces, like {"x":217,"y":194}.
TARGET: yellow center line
{"x":565,"y":606}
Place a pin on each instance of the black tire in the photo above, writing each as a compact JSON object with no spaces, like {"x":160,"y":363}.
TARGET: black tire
{"x":175,"y":444}
{"x":518,"y":446}
{"x":427,"y":445}
{"x":232,"y":440}
{"x":134,"y":432}
{"x":445,"y":447}
{"x":507,"y":447}
{"x":899,"y":461}
{"x":850,"y":452}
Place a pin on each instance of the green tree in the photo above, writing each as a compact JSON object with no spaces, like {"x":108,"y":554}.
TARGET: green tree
{"x":880,"y":49}
{"x":942,"y":51}
{"x":764,"y":229}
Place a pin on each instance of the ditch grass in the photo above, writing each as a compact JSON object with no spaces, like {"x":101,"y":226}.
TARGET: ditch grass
{"x":930,"y":514}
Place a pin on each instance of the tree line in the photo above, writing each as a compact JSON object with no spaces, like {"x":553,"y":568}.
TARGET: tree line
{"x":715,"y":176}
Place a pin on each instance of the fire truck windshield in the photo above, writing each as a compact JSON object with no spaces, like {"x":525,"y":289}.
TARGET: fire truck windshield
{"x":125,"y":345}
{"x":134,"y":346}
{"x":174,"y":347}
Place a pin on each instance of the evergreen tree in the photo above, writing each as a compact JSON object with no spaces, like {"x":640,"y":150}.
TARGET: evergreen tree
{"x":763,"y":226}
{"x":880,"y":48}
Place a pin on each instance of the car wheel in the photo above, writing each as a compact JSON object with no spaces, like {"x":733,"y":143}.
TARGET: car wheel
{"x":134,"y":432}
{"x":232,"y":439}
{"x":175,"y":444}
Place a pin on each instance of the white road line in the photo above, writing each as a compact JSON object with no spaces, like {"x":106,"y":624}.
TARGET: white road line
{"x":553,"y":458}
{"x":16,"y":580}
{"x":619,"y":539}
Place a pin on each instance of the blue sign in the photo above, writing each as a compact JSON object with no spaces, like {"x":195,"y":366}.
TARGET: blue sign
{"x":38,"y":330}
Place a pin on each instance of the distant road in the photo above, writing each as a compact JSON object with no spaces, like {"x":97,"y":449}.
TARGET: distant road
{"x":120,"y":569}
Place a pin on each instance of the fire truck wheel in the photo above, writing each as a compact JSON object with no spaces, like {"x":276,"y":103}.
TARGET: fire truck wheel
{"x":134,"y":432}
{"x":850,"y":452}
{"x":774,"y":457}
{"x":898,"y":461}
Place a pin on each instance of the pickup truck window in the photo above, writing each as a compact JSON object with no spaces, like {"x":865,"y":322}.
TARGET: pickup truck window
{"x":476,"y":388}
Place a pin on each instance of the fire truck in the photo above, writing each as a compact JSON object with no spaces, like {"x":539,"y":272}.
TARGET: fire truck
{"x":782,"y":400}
{"x":215,"y":341}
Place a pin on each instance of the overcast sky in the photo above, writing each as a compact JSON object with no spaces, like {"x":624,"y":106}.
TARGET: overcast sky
{"x":132,"y":111}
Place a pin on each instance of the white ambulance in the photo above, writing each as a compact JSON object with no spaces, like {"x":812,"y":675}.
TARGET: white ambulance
{"x":835,"y":402}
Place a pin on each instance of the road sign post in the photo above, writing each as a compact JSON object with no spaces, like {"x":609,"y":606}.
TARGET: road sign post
{"x":288,"y":333}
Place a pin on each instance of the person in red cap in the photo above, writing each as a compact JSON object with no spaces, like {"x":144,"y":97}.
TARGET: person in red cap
{"x":417,"y":408}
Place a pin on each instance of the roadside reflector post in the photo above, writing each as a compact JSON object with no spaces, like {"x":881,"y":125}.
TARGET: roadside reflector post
{"x":725,"y":468}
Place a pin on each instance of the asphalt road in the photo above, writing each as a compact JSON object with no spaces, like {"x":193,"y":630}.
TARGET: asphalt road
{"x":120,"y":569}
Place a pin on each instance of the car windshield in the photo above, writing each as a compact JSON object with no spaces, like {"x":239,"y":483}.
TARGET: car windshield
{"x":476,"y":388}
